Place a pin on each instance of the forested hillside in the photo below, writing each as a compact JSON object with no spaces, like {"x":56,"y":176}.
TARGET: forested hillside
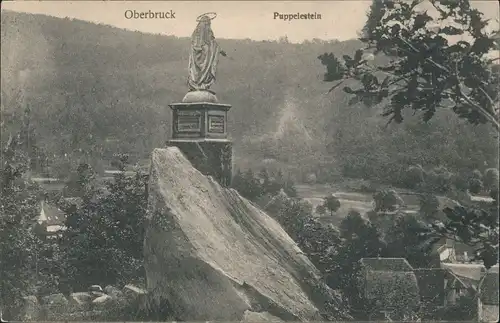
{"x":94,"y":90}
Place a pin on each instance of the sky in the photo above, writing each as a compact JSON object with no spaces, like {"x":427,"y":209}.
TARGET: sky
{"x":340,"y":19}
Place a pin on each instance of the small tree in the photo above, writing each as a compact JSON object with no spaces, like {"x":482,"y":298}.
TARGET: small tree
{"x":264,"y":179}
{"x":104,"y":238}
{"x":429,"y":205}
{"x":359,"y":239}
{"x":237,"y":180}
{"x":248,"y":185}
{"x":460,"y":182}
{"x":439,"y":180}
{"x":491,"y":179}
{"x":414,"y":176}
{"x":289,"y":188}
{"x":331,"y":203}
{"x":387,"y":200}
{"x":475,"y":185}
{"x":476,"y":174}
{"x":82,"y":181}
{"x":404,"y":241}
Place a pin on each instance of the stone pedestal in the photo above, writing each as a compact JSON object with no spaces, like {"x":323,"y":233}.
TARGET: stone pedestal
{"x":199,"y":130}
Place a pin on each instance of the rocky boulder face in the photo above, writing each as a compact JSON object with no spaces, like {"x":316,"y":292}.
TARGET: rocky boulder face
{"x":213,"y":255}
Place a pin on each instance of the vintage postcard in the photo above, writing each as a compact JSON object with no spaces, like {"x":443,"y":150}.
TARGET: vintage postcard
{"x":249,"y":161}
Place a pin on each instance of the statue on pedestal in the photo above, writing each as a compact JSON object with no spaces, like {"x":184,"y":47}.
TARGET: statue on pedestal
{"x":204,"y":55}
{"x":199,"y":127}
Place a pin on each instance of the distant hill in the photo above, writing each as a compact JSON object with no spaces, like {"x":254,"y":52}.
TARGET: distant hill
{"x":95,"y":90}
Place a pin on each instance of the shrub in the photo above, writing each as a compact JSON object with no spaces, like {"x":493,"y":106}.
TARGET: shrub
{"x":321,"y":209}
{"x":477,"y":174}
{"x":491,"y":179}
{"x":461,"y":182}
{"x":253,"y":186}
{"x":413,"y":176}
{"x":387,"y":200}
{"x":439,"y":180}
{"x":475,"y":185}
{"x":104,"y":237}
{"x":429,"y":205}
{"x":464,"y":310}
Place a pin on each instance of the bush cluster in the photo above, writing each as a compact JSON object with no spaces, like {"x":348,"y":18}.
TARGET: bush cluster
{"x":254,"y":186}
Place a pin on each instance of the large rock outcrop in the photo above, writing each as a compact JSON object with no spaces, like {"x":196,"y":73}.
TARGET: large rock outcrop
{"x":213,"y":255}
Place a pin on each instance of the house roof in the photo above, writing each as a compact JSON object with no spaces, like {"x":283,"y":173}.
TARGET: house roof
{"x":460,"y":248}
{"x":431,"y":285}
{"x":386,"y":264}
{"x":481,"y":199}
{"x":390,"y":289}
{"x":51,"y":215}
{"x":473,"y":272}
{"x":488,"y":287}
{"x":445,"y":202}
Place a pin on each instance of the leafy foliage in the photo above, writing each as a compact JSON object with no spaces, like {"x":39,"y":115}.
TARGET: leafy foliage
{"x":439,"y":179}
{"x":473,"y":226}
{"x":491,"y":179}
{"x":404,"y":241}
{"x":18,"y":243}
{"x":359,"y":239}
{"x":429,"y":205}
{"x":475,"y":185}
{"x":81,"y":182}
{"x":414,"y":176}
{"x":21,"y":271}
{"x":426,"y":71}
{"x":321,"y":209}
{"x":104,"y":237}
{"x":387,"y":200}
{"x":464,"y":310}
{"x":330,"y":203}
{"x":253,"y":186}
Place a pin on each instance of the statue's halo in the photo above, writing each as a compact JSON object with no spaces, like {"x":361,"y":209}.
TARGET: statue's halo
{"x":209,"y":15}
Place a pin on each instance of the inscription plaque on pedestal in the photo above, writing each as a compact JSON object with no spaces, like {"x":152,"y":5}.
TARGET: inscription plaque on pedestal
{"x":188,"y":121}
{"x":216,"y":124}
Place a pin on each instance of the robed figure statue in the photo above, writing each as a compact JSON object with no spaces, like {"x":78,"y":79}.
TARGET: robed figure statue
{"x":204,"y":55}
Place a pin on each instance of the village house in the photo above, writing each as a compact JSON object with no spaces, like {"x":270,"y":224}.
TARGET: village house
{"x":50,"y":222}
{"x":464,"y":277}
{"x":444,"y":287}
{"x":393,"y":289}
{"x":454,"y":252}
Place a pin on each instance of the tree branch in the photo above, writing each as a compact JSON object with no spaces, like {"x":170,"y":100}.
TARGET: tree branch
{"x":335,"y":86}
{"x":485,"y":113}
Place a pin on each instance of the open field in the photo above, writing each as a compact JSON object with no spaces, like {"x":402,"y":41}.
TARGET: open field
{"x":361,"y":202}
